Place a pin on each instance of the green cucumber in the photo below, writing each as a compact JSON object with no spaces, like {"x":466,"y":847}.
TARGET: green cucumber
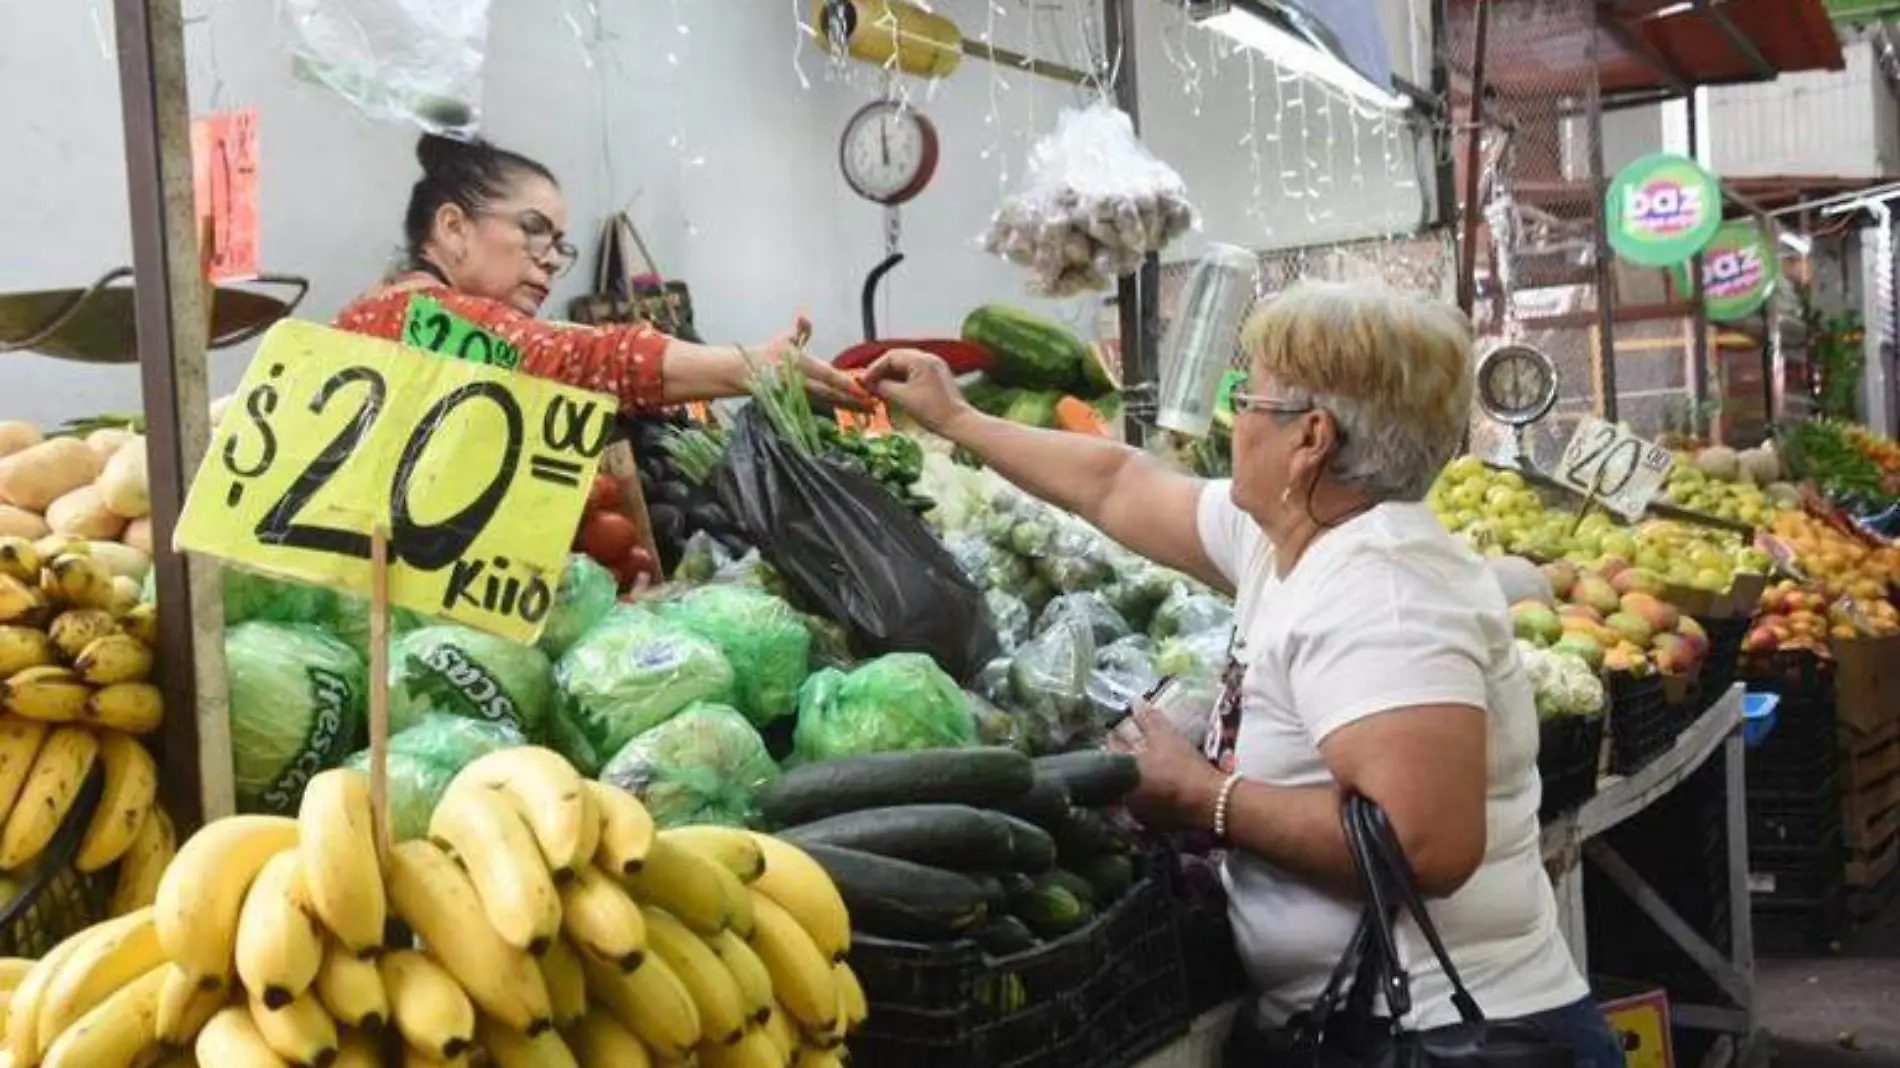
{"x":898,"y":899}
{"x":1031,"y":848}
{"x":956,"y":837}
{"x":1005,"y":936}
{"x":1094,"y":779}
{"x":980,"y":777}
{"x":1083,"y":890}
{"x":1045,"y":803}
{"x":1050,"y":909}
{"x":1112,"y":875}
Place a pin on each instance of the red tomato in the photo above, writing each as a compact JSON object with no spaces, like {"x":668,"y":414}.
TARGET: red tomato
{"x":604,"y":495}
{"x":608,"y":537}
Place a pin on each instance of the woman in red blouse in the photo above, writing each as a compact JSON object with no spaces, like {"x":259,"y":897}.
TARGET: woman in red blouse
{"x":484,"y":237}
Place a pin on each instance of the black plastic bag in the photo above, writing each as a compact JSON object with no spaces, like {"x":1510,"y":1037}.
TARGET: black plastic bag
{"x":850,"y":548}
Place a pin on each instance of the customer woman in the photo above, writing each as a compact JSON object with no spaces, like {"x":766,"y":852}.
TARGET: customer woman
{"x":485,"y":235}
{"x":1373,"y":652}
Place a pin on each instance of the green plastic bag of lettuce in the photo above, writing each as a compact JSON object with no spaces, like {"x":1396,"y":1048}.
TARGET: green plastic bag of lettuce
{"x":425,"y":757}
{"x":897,"y":701}
{"x":760,"y":635}
{"x":630,"y":673}
{"x":461,"y":671}
{"x":297,"y":706}
{"x":705,"y":765}
{"x":586,"y":594}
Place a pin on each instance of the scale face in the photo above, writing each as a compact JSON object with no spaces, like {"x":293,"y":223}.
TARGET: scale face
{"x":888,"y":152}
{"x":1517,"y":385}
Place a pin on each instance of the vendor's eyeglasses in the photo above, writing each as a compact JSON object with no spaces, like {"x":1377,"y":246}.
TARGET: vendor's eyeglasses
{"x":1248,"y":403}
{"x":544,"y":244}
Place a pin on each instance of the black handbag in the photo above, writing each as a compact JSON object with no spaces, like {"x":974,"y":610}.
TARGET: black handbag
{"x":1342,"y":1030}
{"x":623,"y":295}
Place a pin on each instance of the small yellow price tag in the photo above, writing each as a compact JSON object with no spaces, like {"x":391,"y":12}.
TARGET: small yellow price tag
{"x":479,"y":475}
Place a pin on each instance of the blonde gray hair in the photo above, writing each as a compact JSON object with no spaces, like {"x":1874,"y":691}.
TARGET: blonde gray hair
{"x":1393,"y":370}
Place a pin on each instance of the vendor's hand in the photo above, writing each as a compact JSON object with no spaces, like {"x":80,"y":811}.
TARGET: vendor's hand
{"x":1177,"y":782}
{"x":919,"y":383}
{"x":822,"y":380}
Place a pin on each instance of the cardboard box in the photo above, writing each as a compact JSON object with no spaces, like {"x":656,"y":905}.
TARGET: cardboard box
{"x":1641,"y":1021}
{"x":1867,"y":682}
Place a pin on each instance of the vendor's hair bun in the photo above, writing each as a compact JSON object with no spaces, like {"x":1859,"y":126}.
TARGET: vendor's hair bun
{"x":469,"y":174}
{"x":438,"y":153}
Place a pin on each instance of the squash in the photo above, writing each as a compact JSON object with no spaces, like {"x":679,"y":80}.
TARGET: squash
{"x":20,"y":523}
{"x":1078,"y":416}
{"x":121,"y":560}
{"x":123,"y":485}
{"x":138,"y":534}
{"x":81,"y":514}
{"x":106,"y":441}
{"x":16,"y":435}
{"x":35,"y":477}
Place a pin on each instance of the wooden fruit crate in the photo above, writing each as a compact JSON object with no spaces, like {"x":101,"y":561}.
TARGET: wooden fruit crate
{"x":1870,"y":790}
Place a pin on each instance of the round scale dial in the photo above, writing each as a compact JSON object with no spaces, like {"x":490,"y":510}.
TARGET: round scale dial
{"x":888,"y":152}
{"x":1517,"y":384}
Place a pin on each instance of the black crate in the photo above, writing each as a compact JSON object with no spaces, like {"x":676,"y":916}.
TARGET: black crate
{"x":1685,"y":707}
{"x":1798,"y":676}
{"x":1641,"y":728}
{"x":1567,"y":751}
{"x":1721,"y":662}
{"x":1780,"y":819}
{"x":1797,"y":873}
{"x":1799,"y":928}
{"x":55,"y":900}
{"x":1105,"y":996}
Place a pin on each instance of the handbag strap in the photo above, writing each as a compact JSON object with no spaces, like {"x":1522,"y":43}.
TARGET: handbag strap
{"x":1387,"y":875}
{"x":646,"y":256}
{"x":606,"y":256}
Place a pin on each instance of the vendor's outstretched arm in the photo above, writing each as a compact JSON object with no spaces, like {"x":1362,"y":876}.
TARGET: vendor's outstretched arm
{"x":1127,"y":494}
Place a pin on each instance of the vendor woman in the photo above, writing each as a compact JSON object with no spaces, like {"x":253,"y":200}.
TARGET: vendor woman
{"x":485,"y":236}
{"x":1374,"y":654}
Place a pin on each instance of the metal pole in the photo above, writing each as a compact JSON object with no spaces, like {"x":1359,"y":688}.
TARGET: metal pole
{"x":171,"y":313}
{"x":1474,"y":146}
{"x":1136,"y":296}
{"x":1605,"y":265}
{"x":1444,"y":135}
{"x":1699,"y":366}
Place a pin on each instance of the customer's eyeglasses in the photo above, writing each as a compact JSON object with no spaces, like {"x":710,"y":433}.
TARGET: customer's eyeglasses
{"x":544,"y":244}
{"x":1249,"y":403}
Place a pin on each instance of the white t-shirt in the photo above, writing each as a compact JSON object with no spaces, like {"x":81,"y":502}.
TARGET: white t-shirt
{"x":1383,"y":612}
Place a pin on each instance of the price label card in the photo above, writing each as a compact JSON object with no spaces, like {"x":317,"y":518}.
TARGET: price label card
{"x":432,"y":327}
{"x":224,"y":181}
{"x":1621,"y":470}
{"x":478,"y":474}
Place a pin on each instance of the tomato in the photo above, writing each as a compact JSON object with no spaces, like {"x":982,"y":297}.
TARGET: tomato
{"x":604,"y":494}
{"x":608,"y":537}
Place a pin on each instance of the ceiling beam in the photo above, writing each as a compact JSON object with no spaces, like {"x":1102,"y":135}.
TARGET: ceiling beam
{"x":1737,"y":40}
{"x":1635,"y":43}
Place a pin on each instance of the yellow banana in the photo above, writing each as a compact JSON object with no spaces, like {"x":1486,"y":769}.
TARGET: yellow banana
{"x":813,"y":1057}
{"x":120,"y":951}
{"x":715,"y":993}
{"x":778,"y":1027}
{"x":48,"y":693}
{"x":12,"y":970}
{"x":51,"y":788}
{"x":131,"y":789}
{"x":490,"y":838}
{"x":20,"y":602}
{"x":602,"y":920}
{"x":415,"y":1058}
{"x":23,"y":1008}
{"x":202,"y":893}
{"x":20,"y":741}
{"x":567,"y":983}
{"x":801,"y":976}
{"x":828,"y":1037}
{"x":279,"y":945}
{"x":136,"y":884}
{"x":115,"y":1031}
{"x":300,"y":1032}
{"x":184,"y":1007}
{"x":431,"y":1010}
{"x":25,"y":647}
{"x":755,"y":983}
{"x":114,"y":658}
{"x":132,"y":707}
{"x":351,"y":988}
{"x":754,"y":1049}
{"x":338,"y":846}
{"x":141,"y":622}
{"x":851,"y":1001}
{"x":731,"y":848}
{"x":598,"y":1039}
{"x":685,"y":884}
{"x":509,"y":1048}
{"x":60,"y":544}
{"x":551,"y":795}
{"x":354,"y":1049}
{"x":125,"y":595}
{"x":439,"y":903}
{"x":798,"y":885}
{"x":76,"y":628}
{"x":650,"y":1001}
{"x":18,"y":559}
{"x":77,"y":581}
{"x":626,"y":829}
{"x":230,"y":1039}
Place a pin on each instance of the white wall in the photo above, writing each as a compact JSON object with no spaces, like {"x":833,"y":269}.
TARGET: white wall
{"x":1827,"y":123}
{"x":750,"y":209}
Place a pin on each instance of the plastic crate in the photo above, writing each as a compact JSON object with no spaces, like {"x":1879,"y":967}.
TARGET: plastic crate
{"x":1641,"y":727}
{"x":1758,"y":718}
{"x":1797,"y":676}
{"x":1685,"y":703}
{"x":54,"y":900}
{"x":1568,"y":749}
{"x":1723,"y":660}
{"x":1101,"y":997}
{"x":1779,"y":819}
{"x":1798,"y":928}
{"x":1797,"y":873}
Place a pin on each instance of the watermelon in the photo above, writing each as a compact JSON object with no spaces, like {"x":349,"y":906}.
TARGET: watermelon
{"x":1032,"y":352}
{"x":1032,"y":408}
{"x":1097,"y":379}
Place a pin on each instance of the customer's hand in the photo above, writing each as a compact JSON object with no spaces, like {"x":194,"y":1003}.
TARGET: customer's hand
{"x":919,"y":383}
{"x":1177,"y":782}
{"x":822,"y":380}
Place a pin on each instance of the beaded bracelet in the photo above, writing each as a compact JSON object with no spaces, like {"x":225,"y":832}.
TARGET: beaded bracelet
{"x":1222,"y":801}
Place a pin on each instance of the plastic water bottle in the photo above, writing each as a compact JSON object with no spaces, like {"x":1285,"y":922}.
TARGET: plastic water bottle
{"x":1200,"y":344}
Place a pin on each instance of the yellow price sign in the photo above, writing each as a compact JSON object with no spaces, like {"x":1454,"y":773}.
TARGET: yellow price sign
{"x":478,"y":474}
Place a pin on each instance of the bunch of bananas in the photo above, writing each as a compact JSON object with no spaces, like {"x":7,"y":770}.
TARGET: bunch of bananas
{"x":75,"y":653}
{"x":552,"y":925}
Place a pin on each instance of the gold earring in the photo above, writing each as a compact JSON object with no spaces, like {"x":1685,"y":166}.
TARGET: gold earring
{"x":1286,"y":493}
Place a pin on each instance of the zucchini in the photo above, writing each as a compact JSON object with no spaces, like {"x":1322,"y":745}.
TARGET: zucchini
{"x":1031,"y":848}
{"x":980,"y":777}
{"x":1005,"y":936}
{"x":897,"y":899}
{"x":1045,"y":803}
{"x":1094,"y":779}
{"x":1083,"y":890}
{"x":1111,"y":875}
{"x":1050,"y":909}
{"x":956,"y":837}
{"x":1085,"y":835}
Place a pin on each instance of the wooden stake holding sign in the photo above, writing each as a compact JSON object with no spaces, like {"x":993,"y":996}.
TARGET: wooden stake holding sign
{"x":379,"y":690}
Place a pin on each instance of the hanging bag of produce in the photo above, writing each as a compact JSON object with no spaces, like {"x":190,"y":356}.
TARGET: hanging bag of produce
{"x":852,"y":549}
{"x":622,"y":296}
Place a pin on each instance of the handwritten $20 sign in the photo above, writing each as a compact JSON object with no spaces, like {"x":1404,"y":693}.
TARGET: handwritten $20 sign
{"x":479,"y":475}
{"x":1621,"y":470}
